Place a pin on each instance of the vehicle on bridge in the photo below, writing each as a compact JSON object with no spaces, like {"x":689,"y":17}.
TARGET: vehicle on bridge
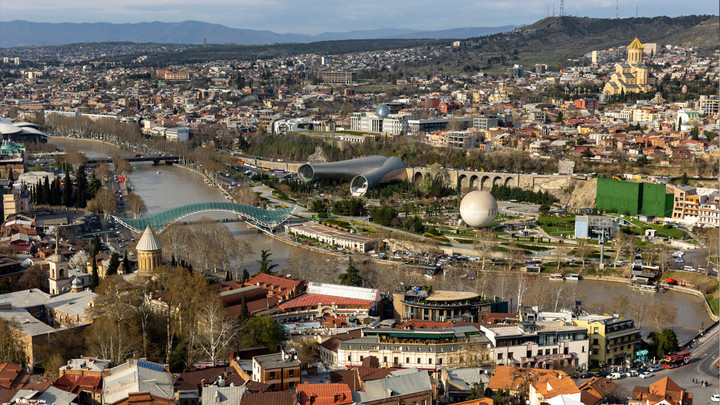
{"x":676,"y":360}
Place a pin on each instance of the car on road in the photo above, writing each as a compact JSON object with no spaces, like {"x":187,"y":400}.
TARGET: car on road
{"x":654,"y":368}
{"x":715,"y":398}
{"x":646,"y":374}
{"x":632,"y":373}
{"x":615,"y":376}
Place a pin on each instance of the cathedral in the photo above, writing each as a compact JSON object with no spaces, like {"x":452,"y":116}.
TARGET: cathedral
{"x":631,"y":76}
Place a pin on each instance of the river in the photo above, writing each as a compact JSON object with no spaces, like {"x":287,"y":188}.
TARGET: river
{"x":175,"y":186}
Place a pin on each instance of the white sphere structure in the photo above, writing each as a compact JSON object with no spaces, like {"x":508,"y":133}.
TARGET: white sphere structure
{"x":478,"y":209}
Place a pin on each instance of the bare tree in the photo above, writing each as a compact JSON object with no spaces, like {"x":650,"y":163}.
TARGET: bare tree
{"x":79,"y":260}
{"x":216,"y":330}
{"x":122,"y":166}
{"x":515,"y":255}
{"x":136,"y":204}
{"x":110,"y":334}
{"x":619,"y":243}
{"x":246,"y":195}
{"x":34,"y":277}
{"x":105,"y":201}
{"x":102,"y":171}
{"x":583,"y":250}
{"x":661,"y":315}
{"x":176,"y":239}
{"x":484,"y":242}
{"x":312,"y":266}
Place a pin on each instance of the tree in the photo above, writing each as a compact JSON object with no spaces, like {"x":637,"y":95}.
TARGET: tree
{"x":262,"y":331}
{"x":114,"y":264}
{"x":79,"y":260}
{"x":122,"y":166}
{"x":266,"y":265}
{"x":244,"y":312}
{"x":105,"y":201}
{"x":244,"y":194}
{"x":583,"y":250}
{"x":111,"y":335}
{"x":136,"y":204}
{"x":351,"y":277}
{"x":34,"y":277}
{"x":82,"y":187}
{"x":102,"y":171}
{"x":67,"y":190}
{"x":11,"y":348}
{"x":216,"y":330}
{"x":245,"y":275}
{"x":667,"y":342}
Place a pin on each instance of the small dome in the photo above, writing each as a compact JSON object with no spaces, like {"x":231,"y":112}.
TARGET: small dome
{"x":76,"y":283}
{"x":149,"y":241}
{"x":383,"y":111}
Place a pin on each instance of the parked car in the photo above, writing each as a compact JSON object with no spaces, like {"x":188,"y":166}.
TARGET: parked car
{"x":715,"y":398}
{"x":646,"y":374}
{"x":615,"y":376}
{"x":632,"y":373}
{"x":654,"y":368}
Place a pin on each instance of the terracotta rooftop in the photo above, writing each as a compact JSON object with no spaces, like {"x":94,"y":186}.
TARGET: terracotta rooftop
{"x":275,"y":285}
{"x":595,"y":389}
{"x":518,"y":378}
{"x":324,"y":394}
{"x":312,"y":300}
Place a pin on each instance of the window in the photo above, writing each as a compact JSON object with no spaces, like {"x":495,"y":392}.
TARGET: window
{"x":361,"y":358}
{"x":555,"y":351}
{"x":595,"y":352}
{"x":510,"y":355}
{"x":440,"y":360}
{"x":429,"y":361}
{"x":291,"y":373}
{"x":349,"y":357}
{"x":385,"y":359}
{"x":407,"y":360}
{"x":500,"y":356}
{"x":595,"y":341}
{"x":418,"y":360}
{"x":396,"y":361}
{"x":567,"y":350}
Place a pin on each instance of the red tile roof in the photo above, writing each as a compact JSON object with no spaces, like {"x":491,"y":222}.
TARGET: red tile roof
{"x":324,"y":394}
{"x":76,"y":383}
{"x":275,"y":285}
{"x":312,"y":300}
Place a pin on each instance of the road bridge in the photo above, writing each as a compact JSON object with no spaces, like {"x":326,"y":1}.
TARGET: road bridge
{"x":155,"y":159}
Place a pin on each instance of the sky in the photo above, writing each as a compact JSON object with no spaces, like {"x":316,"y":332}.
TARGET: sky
{"x":316,"y":16}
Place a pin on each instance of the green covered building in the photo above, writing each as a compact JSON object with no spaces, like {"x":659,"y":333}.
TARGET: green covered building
{"x":625,"y":197}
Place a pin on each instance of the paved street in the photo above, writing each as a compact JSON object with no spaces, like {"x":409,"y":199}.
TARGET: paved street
{"x":701,"y":367}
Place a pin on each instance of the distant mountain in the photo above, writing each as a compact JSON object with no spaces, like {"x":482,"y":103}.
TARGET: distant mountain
{"x":25,"y":33}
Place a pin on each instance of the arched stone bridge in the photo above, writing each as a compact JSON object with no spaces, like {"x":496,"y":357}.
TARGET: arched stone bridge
{"x":476,"y":180}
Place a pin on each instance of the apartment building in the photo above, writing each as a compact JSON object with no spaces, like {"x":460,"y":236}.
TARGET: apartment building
{"x":539,"y":344}
{"x":280,"y":370}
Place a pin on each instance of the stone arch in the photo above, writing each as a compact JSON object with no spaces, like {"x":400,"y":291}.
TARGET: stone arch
{"x":497,"y":181}
{"x":474,"y":182}
{"x":510,"y":182}
{"x":485,"y":182}
{"x":417,"y":177}
{"x":462,"y":181}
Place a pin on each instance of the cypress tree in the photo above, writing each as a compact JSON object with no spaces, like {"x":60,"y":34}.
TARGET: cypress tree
{"x":46,"y":197}
{"x":112,"y":268}
{"x":244,"y":313}
{"x":126,"y":265}
{"x":11,"y":175}
{"x":245,"y":275}
{"x":67,"y":190}
{"x":82,"y":187}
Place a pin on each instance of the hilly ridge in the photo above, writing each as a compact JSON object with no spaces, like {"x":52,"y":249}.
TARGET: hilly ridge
{"x":25,"y":33}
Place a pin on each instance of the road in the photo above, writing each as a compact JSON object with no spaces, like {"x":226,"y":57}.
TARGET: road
{"x":701,"y":367}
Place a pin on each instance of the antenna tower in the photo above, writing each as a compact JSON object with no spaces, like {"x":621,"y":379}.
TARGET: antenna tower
{"x":636,"y":11}
{"x":617,"y":12}
{"x":562,"y":7}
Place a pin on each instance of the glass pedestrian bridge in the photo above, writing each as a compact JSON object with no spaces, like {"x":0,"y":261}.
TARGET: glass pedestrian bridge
{"x":266,"y":220}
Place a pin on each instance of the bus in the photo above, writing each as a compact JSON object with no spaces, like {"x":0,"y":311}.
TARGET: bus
{"x":676,"y":360}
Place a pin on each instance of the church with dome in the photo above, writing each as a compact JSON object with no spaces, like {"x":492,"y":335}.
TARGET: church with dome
{"x":631,"y":76}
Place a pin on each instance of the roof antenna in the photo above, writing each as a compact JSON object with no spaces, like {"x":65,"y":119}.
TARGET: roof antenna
{"x":617,"y":12}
